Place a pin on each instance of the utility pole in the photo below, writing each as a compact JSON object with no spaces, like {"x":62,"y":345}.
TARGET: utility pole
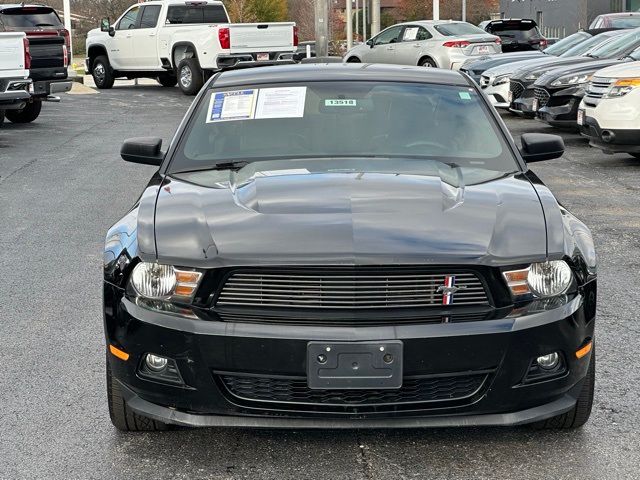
{"x":436,"y":9}
{"x":357,"y":21}
{"x":375,"y":17}
{"x":349,"y":25}
{"x":322,"y":28}
{"x":67,"y":23}
{"x":364,"y":20}
{"x":464,"y":10}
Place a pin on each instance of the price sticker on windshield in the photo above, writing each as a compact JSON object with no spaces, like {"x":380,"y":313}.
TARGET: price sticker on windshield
{"x":234,"y":105}
{"x":340,"y":102}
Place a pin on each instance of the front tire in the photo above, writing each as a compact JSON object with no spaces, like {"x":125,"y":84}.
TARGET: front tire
{"x":190,"y":76}
{"x":25,"y":115}
{"x":580,"y":413}
{"x":122,"y":417}
{"x":102,"y":73}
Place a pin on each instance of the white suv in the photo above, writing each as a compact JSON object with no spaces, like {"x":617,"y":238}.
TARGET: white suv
{"x":609,"y":114}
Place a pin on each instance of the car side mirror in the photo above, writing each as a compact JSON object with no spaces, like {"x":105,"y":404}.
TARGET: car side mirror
{"x":370,"y":43}
{"x":537,"y":147}
{"x":105,"y":26}
{"x":145,"y":150}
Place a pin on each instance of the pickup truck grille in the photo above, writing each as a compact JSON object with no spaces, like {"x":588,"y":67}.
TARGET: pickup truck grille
{"x":349,"y":289}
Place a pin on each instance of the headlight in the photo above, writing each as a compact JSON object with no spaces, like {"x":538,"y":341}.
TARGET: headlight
{"x":152,"y":280}
{"x":533,"y":76}
{"x":571,"y":80}
{"x":541,"y":280}
{"x":500,"y":80}
{"x":621,"y":87}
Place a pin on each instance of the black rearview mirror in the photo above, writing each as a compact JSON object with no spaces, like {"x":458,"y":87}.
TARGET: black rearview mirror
{"x":370,"y":43}
{"x":537,"y":147}
{"x":145,"y":150}
{"x":105,"y":26}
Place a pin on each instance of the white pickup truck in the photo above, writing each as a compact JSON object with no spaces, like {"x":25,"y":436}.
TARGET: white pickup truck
{"x":14,"y":72}
{"x":183,"y":42}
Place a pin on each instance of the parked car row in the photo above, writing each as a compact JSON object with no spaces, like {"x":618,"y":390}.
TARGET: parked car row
{"x":34,"y":56}
{"x":571,"y":90}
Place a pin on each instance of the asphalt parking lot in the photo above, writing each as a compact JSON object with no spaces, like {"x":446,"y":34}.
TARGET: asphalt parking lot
{"x":62,"y":184}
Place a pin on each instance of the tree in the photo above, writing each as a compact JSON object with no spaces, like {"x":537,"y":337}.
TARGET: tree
{"x":303,"y":13}
{"x":257,"y":10}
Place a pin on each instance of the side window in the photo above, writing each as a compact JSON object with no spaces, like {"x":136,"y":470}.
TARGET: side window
{"x":390,"y":35}
{"x":423,"y":34}
{"x":149,"y":18}
{"x":415,"y":34}
{"x":129,"y":20}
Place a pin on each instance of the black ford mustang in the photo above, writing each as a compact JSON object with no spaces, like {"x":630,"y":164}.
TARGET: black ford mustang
{"x":347,"y":246}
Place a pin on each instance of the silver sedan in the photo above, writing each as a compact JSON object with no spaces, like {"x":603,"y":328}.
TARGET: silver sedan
{"x":428,"y":43}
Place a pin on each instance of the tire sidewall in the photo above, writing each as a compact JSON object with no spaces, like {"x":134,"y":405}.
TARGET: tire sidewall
{"x":190,"y":66}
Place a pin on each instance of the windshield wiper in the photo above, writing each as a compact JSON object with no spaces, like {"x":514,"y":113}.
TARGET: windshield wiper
{"x":237,"y":165}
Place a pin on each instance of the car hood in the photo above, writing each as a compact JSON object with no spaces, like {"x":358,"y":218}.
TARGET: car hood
{"x":581,"y":68}
{"x":346,"y":218}
{"x":509,"y":68}
{"x":522,"y":73}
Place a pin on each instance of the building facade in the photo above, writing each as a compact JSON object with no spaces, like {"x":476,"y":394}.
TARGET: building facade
{"x":559,"y":18}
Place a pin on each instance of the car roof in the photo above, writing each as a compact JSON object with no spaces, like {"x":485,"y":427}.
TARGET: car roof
{"x":24,"y":5}
{"x":620,"y":14}
{"x":315,"y":72}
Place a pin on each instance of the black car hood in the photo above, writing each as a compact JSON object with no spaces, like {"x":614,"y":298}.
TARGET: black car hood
{"x":589,"y":67}
{"x":347,"y":218}
{"x":554,"y":63}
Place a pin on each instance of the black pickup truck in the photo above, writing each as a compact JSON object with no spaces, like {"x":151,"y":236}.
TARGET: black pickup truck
{"x":49,"y":45}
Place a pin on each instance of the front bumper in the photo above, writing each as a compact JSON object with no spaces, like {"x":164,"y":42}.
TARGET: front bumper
{"x":501,"y":349}
{"x":618,"y":140}
{"x":522,"y":104}
{"x":498,"y":95}
{"x":561,"y":109}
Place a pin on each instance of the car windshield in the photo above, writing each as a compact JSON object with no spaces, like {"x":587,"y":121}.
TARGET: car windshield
{"x":583,"y":47}
{"x":29,"y":17}
{"x":617,"y":47}
{"x":458,"y":28}
{"x":626,"y":22}
{"x":443,"y":123}
{"x":566,"y":43}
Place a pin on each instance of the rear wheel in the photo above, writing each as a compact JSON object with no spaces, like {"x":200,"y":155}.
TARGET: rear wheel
{"x":102,"y":73}
{"x":27,"y":114}
{"x":428,"y":63}
{"x":190,"y":76}
{"x":167,"y":80}
{"x":122,"y":417}
{"x":578,"y":415}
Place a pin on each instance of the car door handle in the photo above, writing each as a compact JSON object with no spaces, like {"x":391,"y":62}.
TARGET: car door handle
{"x":128,"y":35}
{"x":152,"y":34}
{"x":390,"y":48}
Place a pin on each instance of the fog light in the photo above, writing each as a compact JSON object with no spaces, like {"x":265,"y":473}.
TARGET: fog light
{"x":155,"y":363}
{"x":549,"y":361}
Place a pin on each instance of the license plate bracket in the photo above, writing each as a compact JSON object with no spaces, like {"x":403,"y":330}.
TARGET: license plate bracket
{"x":354,"y":365}
{"x":262,"y":57}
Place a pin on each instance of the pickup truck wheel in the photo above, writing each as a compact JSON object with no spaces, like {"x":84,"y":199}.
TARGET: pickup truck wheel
{"x":190,"y":76}
{"x":25,"y":115}
{"x":167,"y":80}
{"x":102,"y":73}
{"x":122,"y":417}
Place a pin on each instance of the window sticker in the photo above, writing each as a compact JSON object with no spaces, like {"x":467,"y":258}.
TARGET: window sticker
{"x":340,"y":102}
{"x":281,"y":102}
{"x":465,"y":95}
{"x":410,"y":33}
{"x":234,"y":105}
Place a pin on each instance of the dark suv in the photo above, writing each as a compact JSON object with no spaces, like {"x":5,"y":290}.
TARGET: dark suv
{"x":517,"y":35}
{"x":49,"y":45}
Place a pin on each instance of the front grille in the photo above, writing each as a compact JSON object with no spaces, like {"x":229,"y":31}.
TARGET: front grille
{"x":598,"y":87}
{"x":294,"y":390}
{"x":350,"y":289}
{"x":542,"y":96}
{"x":516,"y":88}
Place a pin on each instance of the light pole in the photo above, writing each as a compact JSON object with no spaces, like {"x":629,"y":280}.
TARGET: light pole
{"x":364,"y":20}
{"x":436,"y":9}
{"x":349,"y":25}
{"x":357,"y":22}
{"x":464,"y":10}
{"x":375,"y":17}
{"x":67,"y":23}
